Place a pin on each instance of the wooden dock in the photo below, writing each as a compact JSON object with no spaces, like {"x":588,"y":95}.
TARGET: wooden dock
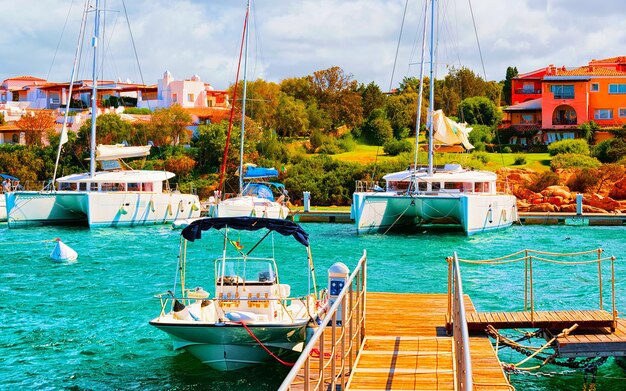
{"x":597,"y":342}
{"x":550,"y":320}
{"x":406,"y":347}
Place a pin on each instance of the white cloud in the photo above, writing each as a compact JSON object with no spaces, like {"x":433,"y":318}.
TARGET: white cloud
{"x":296,"y":38}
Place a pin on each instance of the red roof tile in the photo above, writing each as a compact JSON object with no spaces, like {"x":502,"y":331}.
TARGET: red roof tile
{"x":589,"y":70}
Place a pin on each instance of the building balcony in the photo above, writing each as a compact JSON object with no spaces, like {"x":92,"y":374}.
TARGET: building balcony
{"x":521,"y":91}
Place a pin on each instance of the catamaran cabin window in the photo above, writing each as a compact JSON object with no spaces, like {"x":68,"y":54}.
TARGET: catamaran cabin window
{"x":422,"y":186}
{"x":435,"y":186}
{"x":67,"y":186}
{"x":82,"y":186}
{"x":134,"y":187}
{"x":453,"y":185}
{"x":148,"y":187}
{"x":113,"y":187}
{"x":93,"y":187}
{"x":481,"y":187}
{"x":398,"y":185}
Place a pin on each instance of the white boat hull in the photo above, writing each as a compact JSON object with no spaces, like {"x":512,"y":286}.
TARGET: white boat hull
{"x":98,"y":209}
{"x":472,"y":213}
{"x":3,"y":208}
{"x":248,"y":206}
{"x":228,"y":346}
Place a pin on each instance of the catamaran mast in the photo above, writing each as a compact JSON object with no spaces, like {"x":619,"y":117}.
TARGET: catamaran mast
{"x":419,"y":99}
{"x":431,"y":101}
{"x":94,"y":90}
{"x":243,"y":103}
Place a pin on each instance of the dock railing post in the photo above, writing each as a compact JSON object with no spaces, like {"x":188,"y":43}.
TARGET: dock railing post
{"x":449,"y":317}
{"x":532,"y":295}
{"x":525,"y":280}
{"x":613,"y":292}
{"x":600,"y":276}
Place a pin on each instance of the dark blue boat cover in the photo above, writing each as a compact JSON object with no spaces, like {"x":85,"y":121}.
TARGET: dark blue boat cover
{"x":260,"y":172}
{"x":284,"y":227}
{"x":7,"y":176}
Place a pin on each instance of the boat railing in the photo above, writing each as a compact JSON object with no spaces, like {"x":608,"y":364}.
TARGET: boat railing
{"x":329,"y":356}
{"x":460,"y":334}
{"x":365,"y":186}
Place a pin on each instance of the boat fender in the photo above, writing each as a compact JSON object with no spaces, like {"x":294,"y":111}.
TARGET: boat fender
{"x":169,"y":209}
{"x":181,"y":206}
{"x":152,"y":206}
{"x":123,"y":210}
{"x":194,"y":207}
{"x":241,"y":316}
{"x":180,"y":311}
{"x":198,"y":293}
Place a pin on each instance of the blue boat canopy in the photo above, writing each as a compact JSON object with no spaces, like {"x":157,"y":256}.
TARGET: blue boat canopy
{"x":260,"y":172}
{"x":284,"y":227}
{"x":7,"y":176}
{"x":259,"y":190}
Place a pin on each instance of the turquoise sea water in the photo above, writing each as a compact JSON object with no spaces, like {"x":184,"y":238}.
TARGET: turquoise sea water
{"x":84,"y":326}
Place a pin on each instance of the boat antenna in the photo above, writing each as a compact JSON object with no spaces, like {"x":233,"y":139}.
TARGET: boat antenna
{"x":243,"y":103}
{"x":63,"y":138}
{"x":94,"y":91}
{"x":232,"y":107}
{"x":420,"y":96}
{"x":432,"y":90}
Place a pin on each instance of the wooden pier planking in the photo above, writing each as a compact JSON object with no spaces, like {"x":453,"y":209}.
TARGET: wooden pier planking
{"x":406,"y":347}
{"x":552,"y":320}
{"x":594,"y":342}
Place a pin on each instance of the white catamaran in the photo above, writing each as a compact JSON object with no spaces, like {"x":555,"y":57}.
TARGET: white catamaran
{"x":449,"y":196}
{"x":112,"y":197}
{"x":251,"y":319}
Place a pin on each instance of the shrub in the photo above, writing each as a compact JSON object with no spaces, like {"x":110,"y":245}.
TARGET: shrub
{"x":394,"y":147}
{"x":583,"y":180}
{"x":137,"y":110}
{"x":330,"y":148}
{"x":519,"y":160}
{"x":611,"y":150}
{"x":587,"y":129}
{"x":317,"y":139}
{"x":573,"y":160}
{"x":543,"y":180}
{"x":479,"y":146}
{"x":481,"y":133}
{"x":481,"y":157}
{"x":507,"y":149}
{"x":578,"y":146}
{"x":346,"y":143}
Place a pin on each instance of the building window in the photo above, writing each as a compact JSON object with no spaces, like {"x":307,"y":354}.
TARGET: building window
{"x":603,"y":114}
{"x":622,"y":112}
{"x":528,"y":88}
{"x":595,"y":87}
{"x":562,"y":91}
{"x":174,"y":98}
{"x":617,"y":88}
{"x":190,"y":98}
{"x":527,"y":119}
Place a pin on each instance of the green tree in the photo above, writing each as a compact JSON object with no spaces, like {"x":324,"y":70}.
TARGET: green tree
{"x":377,"y":129}
{"x":511,"y":72}
{"x":300,"y":88}
{"x":611,"y":150}
{"x":210,"y":146}
{"x":372,"y":98}
{"x":480,"y":110}
{"x":336,"y":93}
{"x":261,"y":102}
{"x":34,"y":125}
{"x":290,"y":117}
{"x":401,"y":112}
{"x":168,"y":126}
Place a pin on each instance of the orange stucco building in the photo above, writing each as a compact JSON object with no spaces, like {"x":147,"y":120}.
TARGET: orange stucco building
{"x":569,"y":98}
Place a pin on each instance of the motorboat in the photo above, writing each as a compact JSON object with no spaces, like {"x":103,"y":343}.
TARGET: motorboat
{"x":252,"y":318}
{"x":6,"y":189}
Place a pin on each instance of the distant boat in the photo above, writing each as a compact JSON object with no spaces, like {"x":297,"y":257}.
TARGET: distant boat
{"x":449,"y":196}
{"x":109,"y":198}
{"x":255,"y":197}
{"x":3,"y":209}
{"x":252,"y":319}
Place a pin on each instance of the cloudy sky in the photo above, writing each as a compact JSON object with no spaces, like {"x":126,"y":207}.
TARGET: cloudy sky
{"x":295,"y":38}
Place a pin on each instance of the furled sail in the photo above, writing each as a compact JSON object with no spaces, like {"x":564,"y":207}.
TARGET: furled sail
{"x":120,"y":151}
{"x":448,"y":132}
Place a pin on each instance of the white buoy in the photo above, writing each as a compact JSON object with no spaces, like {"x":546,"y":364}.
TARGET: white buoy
{"x":63,"y":253}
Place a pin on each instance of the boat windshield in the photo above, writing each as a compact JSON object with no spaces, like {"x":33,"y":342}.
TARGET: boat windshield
{"x":239,"y":270}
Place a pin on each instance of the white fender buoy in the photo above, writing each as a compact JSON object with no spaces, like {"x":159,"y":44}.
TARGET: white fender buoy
{"x":63,"y":253}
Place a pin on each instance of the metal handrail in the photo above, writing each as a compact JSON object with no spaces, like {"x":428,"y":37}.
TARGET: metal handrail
{"x":351,"y":302}
{"x":460,"y":334}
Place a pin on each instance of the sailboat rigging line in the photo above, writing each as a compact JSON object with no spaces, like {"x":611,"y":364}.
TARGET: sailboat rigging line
{"x":431,"y":102}
{"x":395,"y":60}
{"x":419,"y":98}
{"x":243,"y":103}
{"x":232,"y":107}
{"x":259,"y":242}
{"x":132,"y":40}
{"x":69,"y":98}
{"x":94,"y":91}
{"x":60,"y":38}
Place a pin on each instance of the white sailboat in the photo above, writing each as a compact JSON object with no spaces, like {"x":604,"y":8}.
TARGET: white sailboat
{"x":449,"y":196}
{"x":251,"y":319}
{"x":255,"y":197}
{"x":112,"y":197}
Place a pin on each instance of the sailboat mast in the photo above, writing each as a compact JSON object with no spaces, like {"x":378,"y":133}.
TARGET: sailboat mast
{"x":243,"y":101}
{"x":431,"y":101}
{"x":94,"y":91}
{"x":419,"y":98}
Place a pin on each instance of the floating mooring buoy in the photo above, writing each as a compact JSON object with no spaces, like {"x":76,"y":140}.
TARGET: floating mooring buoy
{"x":63,"y":253}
